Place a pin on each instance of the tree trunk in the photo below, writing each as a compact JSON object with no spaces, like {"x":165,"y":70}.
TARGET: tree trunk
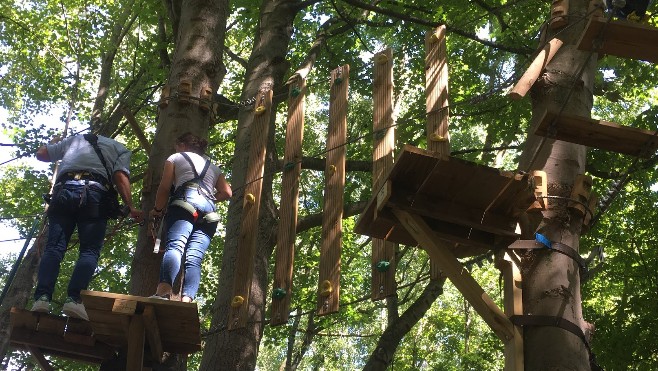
{"x":238,"y":349}
{"x":197,"y":60}
{"x":551,"y":281}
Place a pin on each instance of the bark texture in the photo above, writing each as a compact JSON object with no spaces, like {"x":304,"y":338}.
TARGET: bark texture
{"x":551,"y":281}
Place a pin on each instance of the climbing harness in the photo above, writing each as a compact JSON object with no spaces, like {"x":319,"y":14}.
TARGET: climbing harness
{"x":195,"y":183}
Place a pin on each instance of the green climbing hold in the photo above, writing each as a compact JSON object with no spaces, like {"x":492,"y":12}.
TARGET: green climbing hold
{"x":338,"y":80}
{"x":383,"y":266}
{"x":278,"y":293}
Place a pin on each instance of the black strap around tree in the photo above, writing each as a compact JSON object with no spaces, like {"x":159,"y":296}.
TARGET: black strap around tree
{"x":563,"y":323}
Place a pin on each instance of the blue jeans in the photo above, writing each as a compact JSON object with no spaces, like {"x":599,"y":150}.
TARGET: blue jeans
{"x":72,"y":205}
{"x":187,"y":237}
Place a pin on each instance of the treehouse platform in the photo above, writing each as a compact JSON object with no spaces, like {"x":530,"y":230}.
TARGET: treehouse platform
{"x":598,"y":134}
{"x":116,"y":321}
{"x":621,"y":38}
{"x":473,"y":207}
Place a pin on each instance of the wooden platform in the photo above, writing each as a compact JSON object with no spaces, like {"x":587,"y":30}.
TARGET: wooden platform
{"x":116,"y":321}
{"x":599,"y":134}
{"x":621,"y":38}
{"x":473,"y":207}
{"x":177,"y":322}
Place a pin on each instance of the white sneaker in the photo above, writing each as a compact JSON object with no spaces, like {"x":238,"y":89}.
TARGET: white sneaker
{"x":74,"y":309}
{"x":161,"y":297}
{"x":41,"y":305}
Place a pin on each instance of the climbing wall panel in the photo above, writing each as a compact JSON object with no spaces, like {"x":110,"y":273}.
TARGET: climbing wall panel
{"x":436,"y":94}
{"x":383,"y":252}
{"x":244,"y":264}
{"x":292,"y":165}
{"x":328,"y":288}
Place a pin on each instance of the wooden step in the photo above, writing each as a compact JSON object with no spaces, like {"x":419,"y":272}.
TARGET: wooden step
{"x":598,"y":134}
{"x":622,"y":39}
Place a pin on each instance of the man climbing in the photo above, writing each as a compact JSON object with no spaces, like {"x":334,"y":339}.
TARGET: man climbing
{"x":633,"y":10}
{"x":83,"y":196}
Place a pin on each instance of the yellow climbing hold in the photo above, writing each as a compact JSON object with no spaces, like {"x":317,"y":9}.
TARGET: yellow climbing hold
{"x":237,"y":301}
{"x":438,"y":138}
{"x":326,"y":288}
{"x":332,"y":170}
{"x":249,"y":199}
{"x":259,"y":110}
{"x":381,"y":58}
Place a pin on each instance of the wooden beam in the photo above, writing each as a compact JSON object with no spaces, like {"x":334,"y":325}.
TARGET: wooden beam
{"x":535,"y":69}
{"x":152,"y":332}
{"x":127,"y":113}
{"x":135,"y":360}
{"x":332,"y":214}
{"x":244,"y":265}
{"x":458,"y":275}
{"x":383,"y":262}
{"x":292,"y":166}
{"x":41,"y":360}
{"x":47,"y":342}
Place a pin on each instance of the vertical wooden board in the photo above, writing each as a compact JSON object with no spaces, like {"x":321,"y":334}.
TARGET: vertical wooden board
{"x":436,"y":92}
{"x":513,"y":301}
{"x":383,"y":282}
{"x":244,"y":265}
{"x":285,"y":246}
{"x":436,"y":95}
{"x":328,"y":288}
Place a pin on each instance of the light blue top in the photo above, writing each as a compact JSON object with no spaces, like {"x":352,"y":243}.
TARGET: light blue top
{"x":77,"y":154}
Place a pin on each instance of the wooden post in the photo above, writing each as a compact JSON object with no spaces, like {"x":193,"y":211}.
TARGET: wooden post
{"x":244,"y":264}
{"x":559,"y":12}
{"x":292,"y":165}
{"x":136,"y":338}
{"x":437,"y":108}
{"x":329,"y":285}
{"x":535,"y":69}
{"x":383,"y":252}
{"x":513,"y":301}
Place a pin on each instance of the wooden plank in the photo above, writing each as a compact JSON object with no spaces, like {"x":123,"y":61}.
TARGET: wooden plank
{"x":332,"y":214}
{"x":244,"y":264}
{"x":535,"y":69}
{"x":292,"y":160}
{"x":513,"y":302}
{"x":621,"y":38}
{"x":49,"y":342}
{"x":458,"y":275}
{"x":436,"y":92}
{"x":383,"y":252}
{"x":598,"y":134}
{"x":136,"y":336}
{"x":127,"y":113}
{"x":152,"y":332}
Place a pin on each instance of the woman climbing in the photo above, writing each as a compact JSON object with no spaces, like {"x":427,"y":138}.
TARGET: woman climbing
{"x":191,"y":218}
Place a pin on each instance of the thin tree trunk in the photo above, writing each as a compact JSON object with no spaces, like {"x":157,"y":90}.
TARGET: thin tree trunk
{"x":551,"y":282}
{"x":382,"y":356}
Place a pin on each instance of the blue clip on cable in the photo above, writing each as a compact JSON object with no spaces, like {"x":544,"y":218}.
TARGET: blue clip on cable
{"x":543,"y":240}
